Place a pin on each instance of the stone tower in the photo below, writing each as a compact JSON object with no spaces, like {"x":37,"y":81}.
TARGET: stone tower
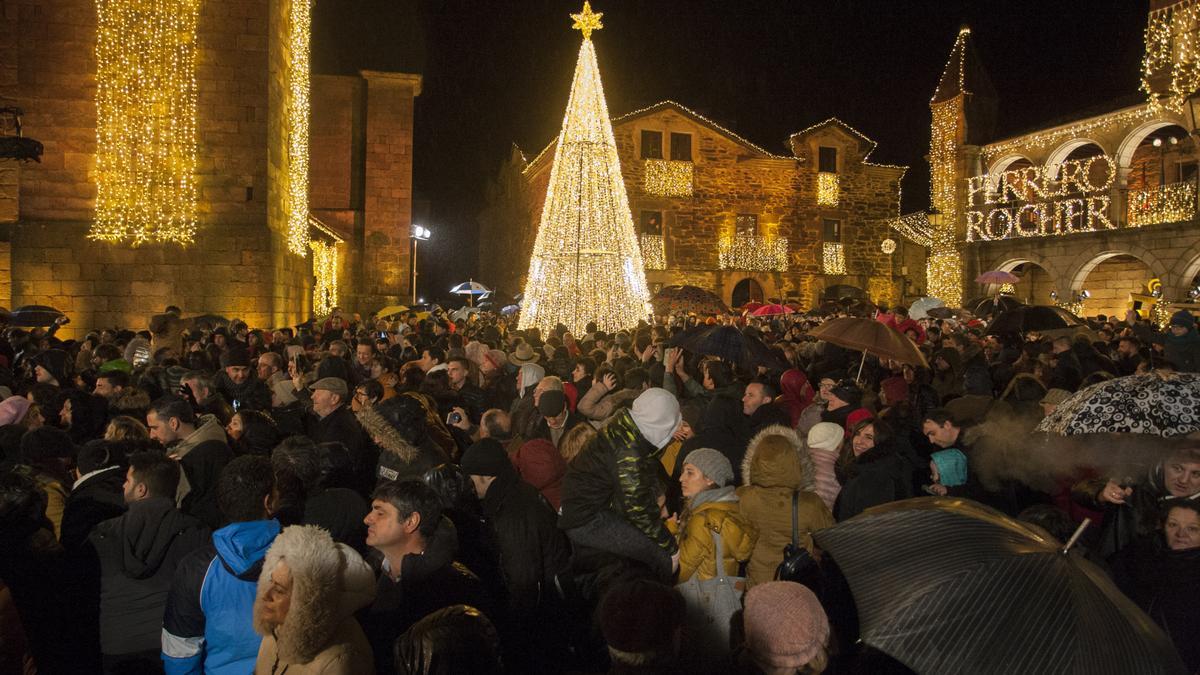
{"x":963,"y":116}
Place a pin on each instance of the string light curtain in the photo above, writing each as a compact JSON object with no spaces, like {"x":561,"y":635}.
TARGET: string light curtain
{"x":586,"y":265}
{"x":298,"y":105}
{"x":325,"y":269}
{"x":145,"y":121}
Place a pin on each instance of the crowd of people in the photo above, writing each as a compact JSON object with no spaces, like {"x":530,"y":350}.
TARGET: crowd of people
{"x":423,"y":495}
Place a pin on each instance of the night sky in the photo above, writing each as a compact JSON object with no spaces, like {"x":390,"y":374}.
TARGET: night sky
{"x":499,"y":72}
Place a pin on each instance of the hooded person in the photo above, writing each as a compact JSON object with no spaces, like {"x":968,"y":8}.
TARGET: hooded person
{"x":796,"y":394}
{"x":778,"y":465}
{"x":948,"y":380}
{"x":308,"y":592}
{"x":53,"y":367}
{"x":1181,"y":342}
{"x":610,"y":491}
{"x":138,"y":554}
{"x":529,"y":551}
{"x":524,"y":409}
{"x":825,"y":442}
{"x":541,"y":465}
{"x":398,"y":427}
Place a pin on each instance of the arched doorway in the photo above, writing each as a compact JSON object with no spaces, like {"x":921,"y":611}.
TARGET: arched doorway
{"x":1109,"y":282}
{"x":746,"y":290}
{"x":1035,"y":285}
{"x":839,"y":291}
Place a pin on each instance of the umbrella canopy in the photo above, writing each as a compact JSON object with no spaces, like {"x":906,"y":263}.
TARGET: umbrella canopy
{"x":772,"y":310}
{"x":751,"y":306}
{"x":872,"y":337}
{"x":470,"y":288}
{"x":1162,"y":404}
{"x":34,"y":316}
{"x":946,"y":313}
{"x":509,"y":310}
{"x":463,"y":313}
{"x":997,"y":277}
{"x":390,"y":311}
{"x":920,"y":308}
{"x":1035,"y":319}
{"x":993,"y":595}
{"x":728,"y":343}
{"x":991,"y":305}
{"x":687,"y":300}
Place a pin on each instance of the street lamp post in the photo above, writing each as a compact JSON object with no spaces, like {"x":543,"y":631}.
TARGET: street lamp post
{"x":418,"y":234}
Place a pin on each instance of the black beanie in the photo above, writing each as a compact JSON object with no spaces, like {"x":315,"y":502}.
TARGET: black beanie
{"x":235,"y":356}
{"x":486,"y":458}
{"x":849,"y":392}
{"x":46,"y":442}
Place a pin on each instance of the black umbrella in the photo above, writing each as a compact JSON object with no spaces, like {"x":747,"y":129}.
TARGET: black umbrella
{"x":728,"y":343}
{"x":34,"y":316}
{"x":1035,"y":319}
{"x":949,"y":586}
{"x":990,"y":305}
{"x":210,"y":319}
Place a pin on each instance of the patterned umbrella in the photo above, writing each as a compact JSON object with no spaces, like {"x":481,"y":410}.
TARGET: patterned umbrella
{"x":997,"y":277}
{"x":687,"y":300}
{"x":728,"y":343}
{"x":772,"y":310}
{"x":1163,"y":404}
{"x":991,"y":596}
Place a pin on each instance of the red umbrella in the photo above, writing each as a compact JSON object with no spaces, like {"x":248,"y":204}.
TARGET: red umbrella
{"x":751,"y":306}
{"x":772,"y":310}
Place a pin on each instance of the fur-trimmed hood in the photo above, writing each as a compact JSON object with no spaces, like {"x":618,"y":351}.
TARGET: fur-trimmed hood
{"x":329,"y":583}
{"x":776,"y":457}
{"x":387,"y":436}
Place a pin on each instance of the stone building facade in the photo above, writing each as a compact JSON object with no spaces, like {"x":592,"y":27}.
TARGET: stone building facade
{"x":716,"y":211}
{"x":1095,"y":210}
{"x":239,"y":264}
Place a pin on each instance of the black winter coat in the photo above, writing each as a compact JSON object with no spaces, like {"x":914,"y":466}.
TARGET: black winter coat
{"x":427,"y":582}
{"x":528,"y":547}
{"x":203,"y":465}
{"x":97,"y":499}
{"x":341,"y":426}
{"x":1166,"y":585}
{"x":138,"y":553}
{"x":878,"y":476}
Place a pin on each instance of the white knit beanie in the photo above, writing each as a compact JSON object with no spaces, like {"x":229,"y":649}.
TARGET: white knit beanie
{"x":826,"y":436}
{"x":656,"y":414}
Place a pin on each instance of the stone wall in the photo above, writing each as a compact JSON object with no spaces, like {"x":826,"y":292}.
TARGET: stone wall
{"x":237,"y":266}
{"x":1111,"y":282}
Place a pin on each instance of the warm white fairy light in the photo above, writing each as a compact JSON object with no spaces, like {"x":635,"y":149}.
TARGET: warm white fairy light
{"x":756,"y":253}
{"x":827,"y":188}
{"x":834,"y":258}
{"x":1172,"y":46}
{"x":325,"y":269}
{"x":1031,"y":143}
{"x":888,"y":246}
{"x":668,"y":178}
{"x":1172,"y":203}
{"x":654,"y":251}
{"x":586,"y":263}
{"x":298,"y":104}
{"x":944,"y":269}
{"x":913,"y":227}
{"x":145,"y":121}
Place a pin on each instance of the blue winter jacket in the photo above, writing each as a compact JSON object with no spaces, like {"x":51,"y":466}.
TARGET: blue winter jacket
{"x":208,"y":623}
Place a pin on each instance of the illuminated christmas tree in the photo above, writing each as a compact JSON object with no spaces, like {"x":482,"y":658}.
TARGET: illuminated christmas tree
{"x":586,"y":265}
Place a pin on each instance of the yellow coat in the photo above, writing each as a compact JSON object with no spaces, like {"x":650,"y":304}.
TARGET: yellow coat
{"x":696,"y":544}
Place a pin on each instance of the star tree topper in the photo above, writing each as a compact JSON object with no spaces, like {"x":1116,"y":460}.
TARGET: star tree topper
{"x":587,"y":20}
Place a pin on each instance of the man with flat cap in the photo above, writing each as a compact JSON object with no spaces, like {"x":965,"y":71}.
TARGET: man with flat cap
{"x":331,"y":420}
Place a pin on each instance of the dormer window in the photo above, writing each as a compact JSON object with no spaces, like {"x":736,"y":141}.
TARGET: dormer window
{"x":827,"y":159}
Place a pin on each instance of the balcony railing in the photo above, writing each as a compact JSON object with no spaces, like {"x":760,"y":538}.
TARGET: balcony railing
{"x":755,"y":253}
{"x":668,"y":178}
{"x":1171,"y":203}
{"x":654,"y":252}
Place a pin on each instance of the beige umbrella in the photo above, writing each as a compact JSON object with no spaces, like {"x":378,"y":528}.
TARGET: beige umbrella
{"x":870,"y":337}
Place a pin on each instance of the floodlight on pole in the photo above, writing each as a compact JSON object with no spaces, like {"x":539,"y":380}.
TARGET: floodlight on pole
{"x":419,"y":233}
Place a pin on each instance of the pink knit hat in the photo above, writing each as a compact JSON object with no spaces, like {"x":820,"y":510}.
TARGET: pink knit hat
{"x":786,"y":626}
{"x":13,"y":409}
